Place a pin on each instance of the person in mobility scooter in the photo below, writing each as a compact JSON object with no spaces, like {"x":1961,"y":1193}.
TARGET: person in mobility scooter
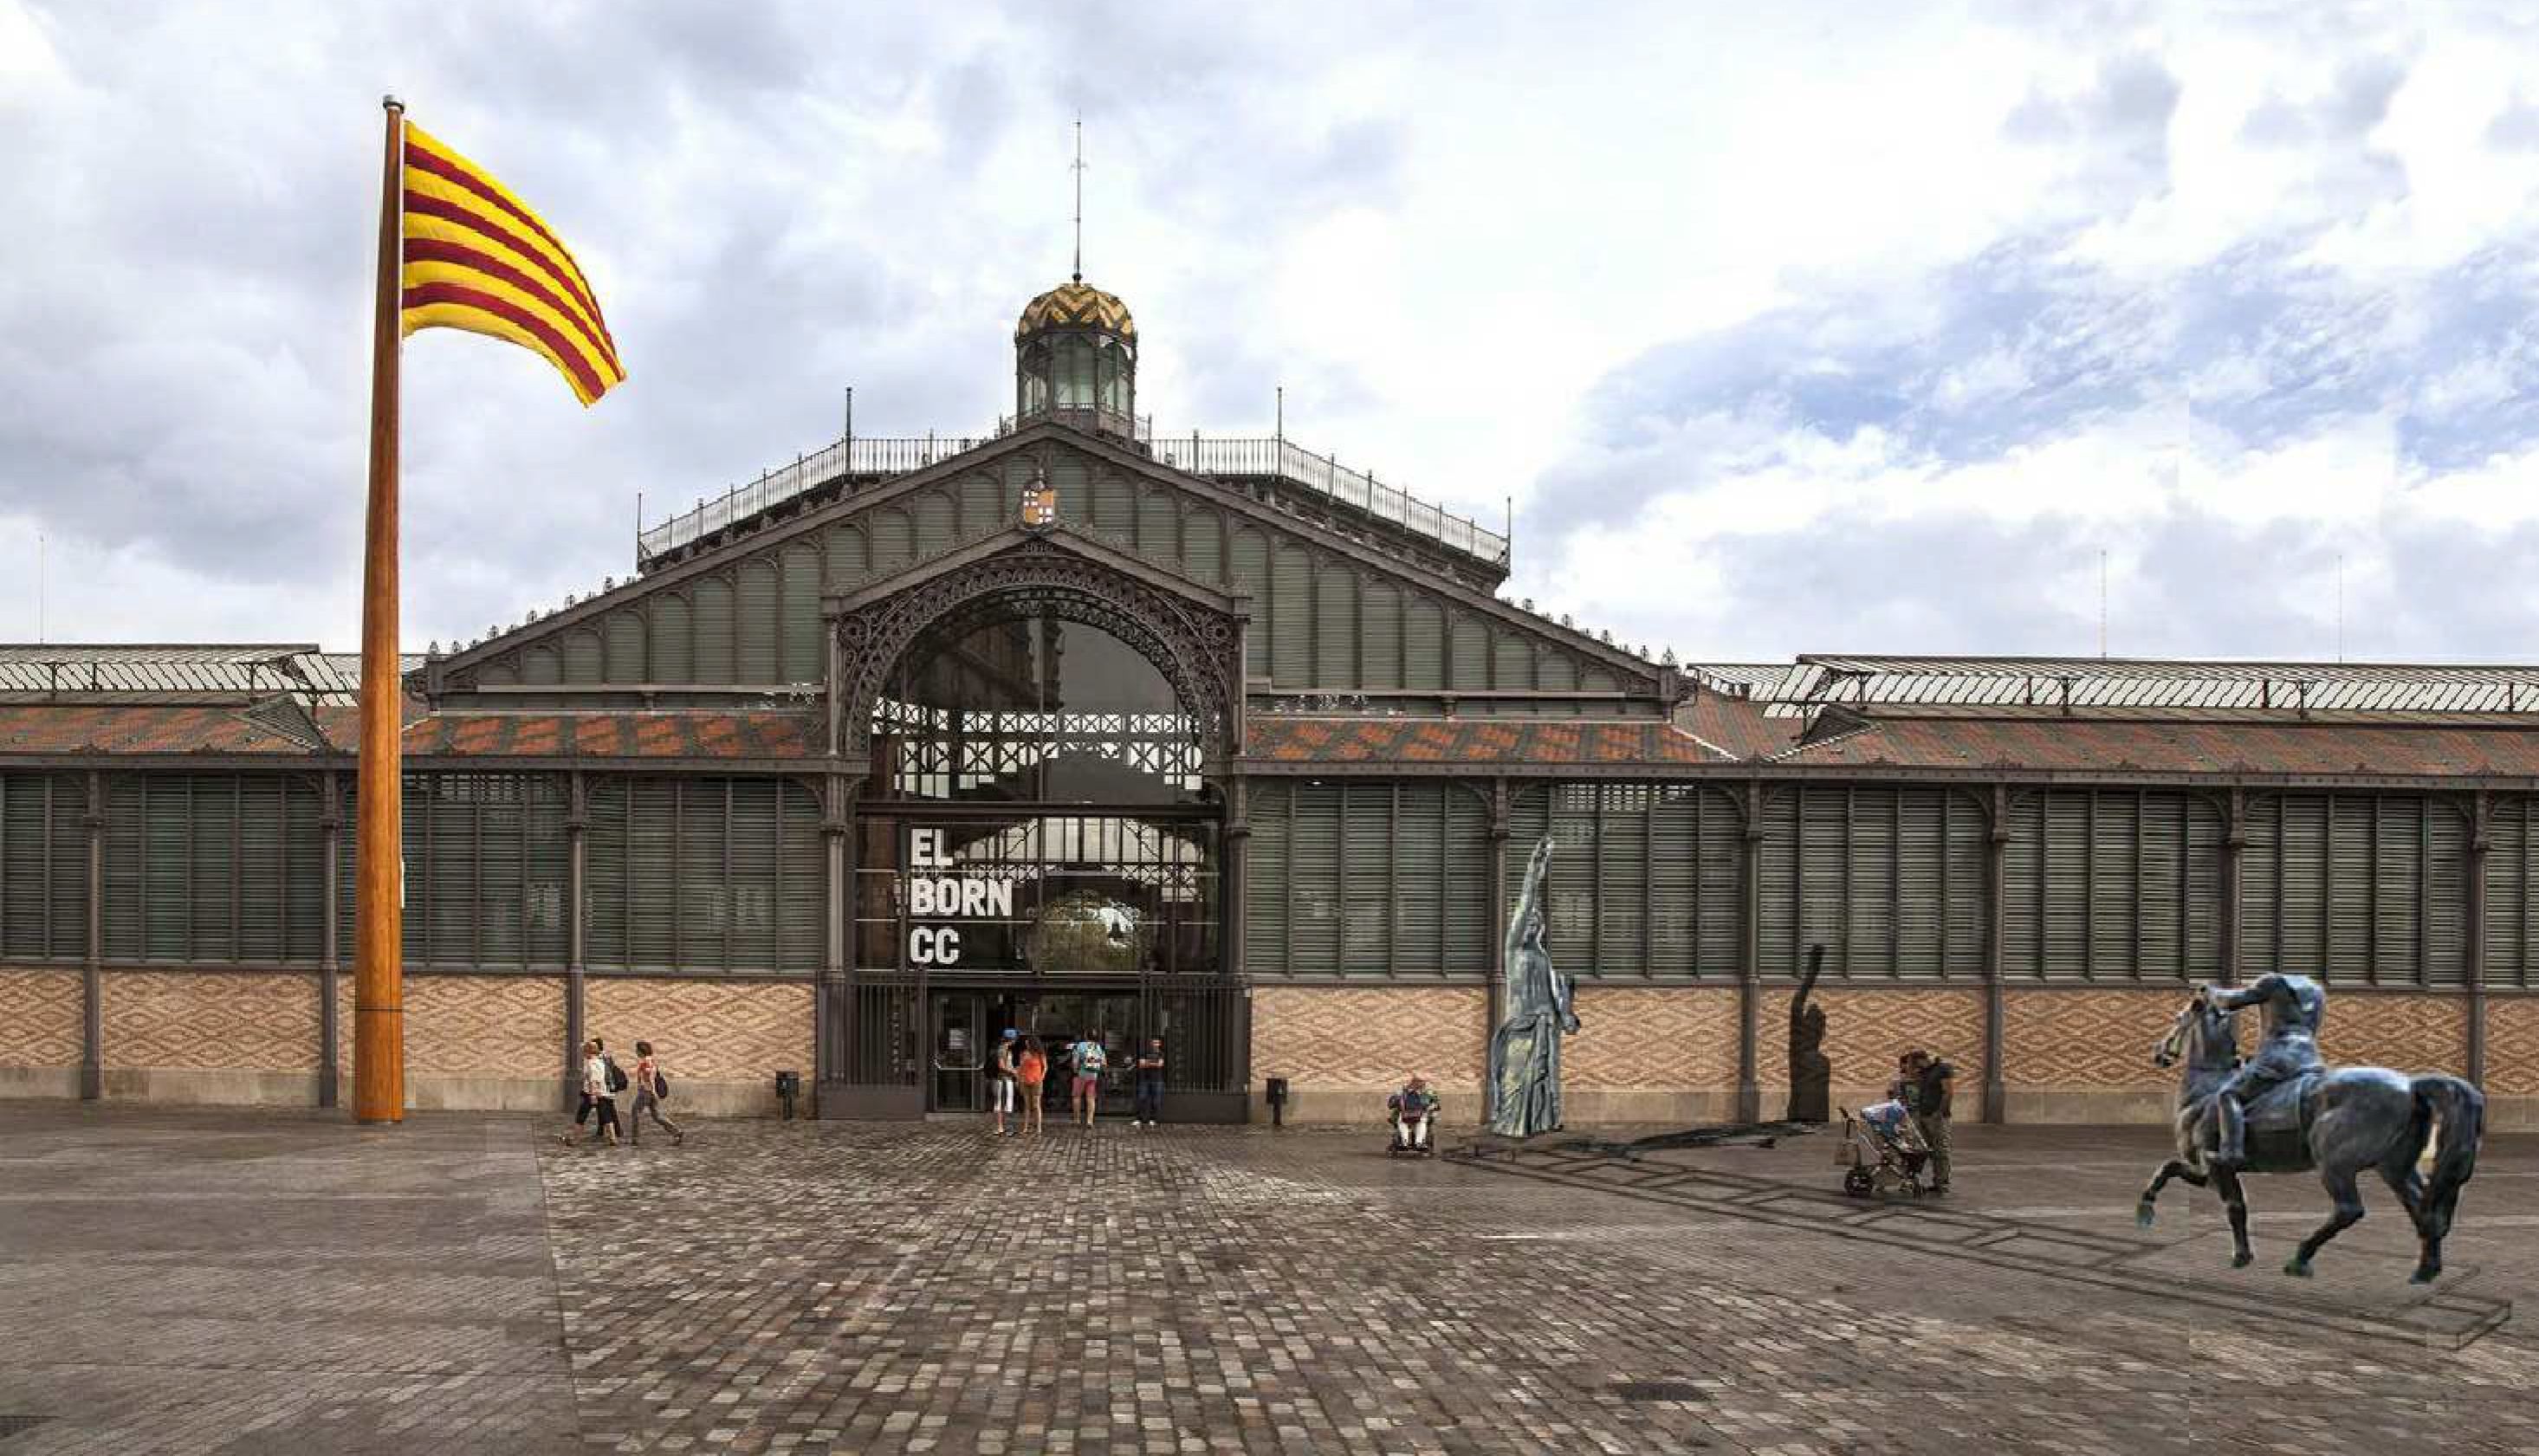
{"x":1413,"y":1112}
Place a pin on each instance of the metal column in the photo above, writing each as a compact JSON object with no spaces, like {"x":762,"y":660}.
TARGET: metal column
{"x":1996,"y":1095}
{"x":93,"y":969}
{"x":577,"y":821}
{"x":1749,"y":942}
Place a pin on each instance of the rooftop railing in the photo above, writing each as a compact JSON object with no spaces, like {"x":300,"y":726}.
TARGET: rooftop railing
{"x":1270,"y":458}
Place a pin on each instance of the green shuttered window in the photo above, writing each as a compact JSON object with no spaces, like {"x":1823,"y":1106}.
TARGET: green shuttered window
{"x":704,"y":874}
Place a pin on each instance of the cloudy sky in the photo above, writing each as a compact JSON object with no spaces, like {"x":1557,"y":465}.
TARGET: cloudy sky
{"x":1791,"y":327}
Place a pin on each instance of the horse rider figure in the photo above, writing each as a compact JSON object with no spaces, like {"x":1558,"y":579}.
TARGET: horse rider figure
{"x":2295,"y":1007}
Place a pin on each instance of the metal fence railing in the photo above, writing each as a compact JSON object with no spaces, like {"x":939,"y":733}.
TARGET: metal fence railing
{"x":1226,"y":455}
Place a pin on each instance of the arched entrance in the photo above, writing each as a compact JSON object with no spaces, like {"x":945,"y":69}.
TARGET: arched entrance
{"x":1039,"y":842}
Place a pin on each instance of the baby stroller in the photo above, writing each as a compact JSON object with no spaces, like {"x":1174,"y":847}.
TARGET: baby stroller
{"x":1882,"y":1152}
{"x":1411,"y":1118}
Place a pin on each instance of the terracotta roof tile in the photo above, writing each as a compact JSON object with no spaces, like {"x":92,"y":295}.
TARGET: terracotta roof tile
{"x":2176,"y":748}
{"x":1468,"y":740}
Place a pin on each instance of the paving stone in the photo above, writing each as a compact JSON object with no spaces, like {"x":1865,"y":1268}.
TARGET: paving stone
{"x":208,"y":1282}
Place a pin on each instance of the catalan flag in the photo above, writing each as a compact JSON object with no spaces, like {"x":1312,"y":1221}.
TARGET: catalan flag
{"x":476,"y":257}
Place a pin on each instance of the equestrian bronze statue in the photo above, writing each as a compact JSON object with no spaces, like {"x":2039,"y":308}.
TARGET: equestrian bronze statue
{"x":1525,"y":1052}
{"x":2284,"y":1111}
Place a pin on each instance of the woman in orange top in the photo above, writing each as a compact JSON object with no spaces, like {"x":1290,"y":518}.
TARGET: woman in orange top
{"x":1031,"y":1070}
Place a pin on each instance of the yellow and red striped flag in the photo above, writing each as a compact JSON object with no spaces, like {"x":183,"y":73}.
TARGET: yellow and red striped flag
{"x":475,"y":257}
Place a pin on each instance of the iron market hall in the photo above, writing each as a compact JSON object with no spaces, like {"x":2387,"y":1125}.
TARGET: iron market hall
{"x":1084,"y":727}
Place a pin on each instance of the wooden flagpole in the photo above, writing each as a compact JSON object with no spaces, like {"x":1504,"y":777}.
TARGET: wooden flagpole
{"x":378,"y":968}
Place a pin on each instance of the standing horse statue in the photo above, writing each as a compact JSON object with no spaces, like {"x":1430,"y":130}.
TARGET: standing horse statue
{"x":1525,"y":1052}
{"x":2338,"y":1121}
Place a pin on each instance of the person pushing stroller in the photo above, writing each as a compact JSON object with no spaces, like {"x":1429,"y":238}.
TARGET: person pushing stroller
{"x":1412,"y":1111}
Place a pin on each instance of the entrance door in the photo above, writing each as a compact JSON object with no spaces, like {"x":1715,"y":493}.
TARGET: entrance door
{"x":1061,"y":1020}
{"x":961,"y":1047}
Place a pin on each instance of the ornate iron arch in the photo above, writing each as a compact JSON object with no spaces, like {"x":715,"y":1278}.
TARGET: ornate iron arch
{"x":1197,"y":650}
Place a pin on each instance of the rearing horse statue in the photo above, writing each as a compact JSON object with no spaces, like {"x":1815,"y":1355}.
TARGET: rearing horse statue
{"x":2338,"y":1121}
{"x":1525,"y":1051}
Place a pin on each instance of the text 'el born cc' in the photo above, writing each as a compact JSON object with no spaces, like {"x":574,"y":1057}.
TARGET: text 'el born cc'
{"x":935,"y":895}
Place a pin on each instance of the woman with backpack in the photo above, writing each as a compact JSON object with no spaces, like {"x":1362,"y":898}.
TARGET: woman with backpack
{"x":651,"y":1086}
{"x":601,"y":1078}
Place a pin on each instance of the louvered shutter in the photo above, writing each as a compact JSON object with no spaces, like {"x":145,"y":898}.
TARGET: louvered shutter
{"x":894,"y":543}
{"x":1269,"y":877}
{"x":501,"y":849}
{"x":1362,"y":885}
{"x":1776,"y":871}
{"x":1291,"y":618}
{"x":850,"y":566}
{"x":2023,"y":893}
{"x":123,"y":836}
{"x":753,"y":834}
{"x":674,"y":640}
{"x":1872,"y":879}
{"x":1381,"y":629}
{"x":1157,"y":520}
{"x":1470,"y":926}
{"x":1423,"y":643}
{"x":985,"y":503}
{"x":1202,"y":545}
{"x":698,"y":885}
{"x":799,"y":659}
{"x":1467,"y":656}
{"x":2164,"y":888}
{"x":622,"y":646}
{"x":653,"y":826}
{"x":759,"y":612}
{"x":1677,"y":899}
{"x":2201,"y":878}
{"x":213,"y":842}
{"x":583,"y":660}
{"x":2509,"y":925}
{"x":547,"y":883}
{"x":1619,"y":898}
{"x":1315,"y":906}
{"x":606,"y":893}
{"x":1511,"y":661}
{"x":932,"y":516}
{"x":1822,"y":869}
{"x":1114,"y":510}
{"x":1421,"y":895}
{"x":1335,"y":636}
{"x":260,"y":868}
{"x":1251,"y":575}
{"x":803,"y":885}
{"x":2350,"y":885}
{"x":710,"y":610}
{"x":1922,"y":882}
{"x":2445,"y":905}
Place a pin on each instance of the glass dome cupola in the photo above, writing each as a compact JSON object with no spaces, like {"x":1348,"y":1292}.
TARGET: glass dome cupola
{"x":1075,"y":361}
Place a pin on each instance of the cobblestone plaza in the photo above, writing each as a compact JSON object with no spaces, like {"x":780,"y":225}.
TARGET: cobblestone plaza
{"x":191,"y":1280}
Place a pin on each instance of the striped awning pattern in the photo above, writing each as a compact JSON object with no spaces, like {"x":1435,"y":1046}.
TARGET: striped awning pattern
{"x":477,"y":258}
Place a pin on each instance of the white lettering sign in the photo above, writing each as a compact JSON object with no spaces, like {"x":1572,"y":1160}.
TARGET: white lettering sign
{"x":939,"y":896}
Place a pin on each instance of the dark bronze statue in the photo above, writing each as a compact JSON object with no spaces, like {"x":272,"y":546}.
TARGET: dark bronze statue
{"x":2284,"y":1112}
{"x":1525,"y":1052}
{"x":1811,"y":1070}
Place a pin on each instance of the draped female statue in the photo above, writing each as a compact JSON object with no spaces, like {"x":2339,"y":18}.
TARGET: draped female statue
{"x":1525,"y":1052}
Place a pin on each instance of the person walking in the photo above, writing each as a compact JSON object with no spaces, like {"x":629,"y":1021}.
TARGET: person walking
{"x":599,"y":1103}
{"x":1932,"y":1085}
{"x":651,"y":1086}
{"x":1031,"y":1069}
{"x":1001,"y":1072}
{"x":1150,"y":1106}
{"x":1090,"y":1060}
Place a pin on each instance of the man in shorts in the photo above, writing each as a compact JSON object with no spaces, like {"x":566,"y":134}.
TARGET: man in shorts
{"x":1091,"y":1060}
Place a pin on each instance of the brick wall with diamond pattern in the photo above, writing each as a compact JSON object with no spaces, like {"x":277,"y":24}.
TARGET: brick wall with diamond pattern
{"x":2513,"y":1045}
{"x":1645,"y":1037}
{"x":471,"y":1027}
{"x":705,"y":1030}
{"x":1867,"y":1029}
{"x":40,"y":1017}
{"x":211,"y":1021}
